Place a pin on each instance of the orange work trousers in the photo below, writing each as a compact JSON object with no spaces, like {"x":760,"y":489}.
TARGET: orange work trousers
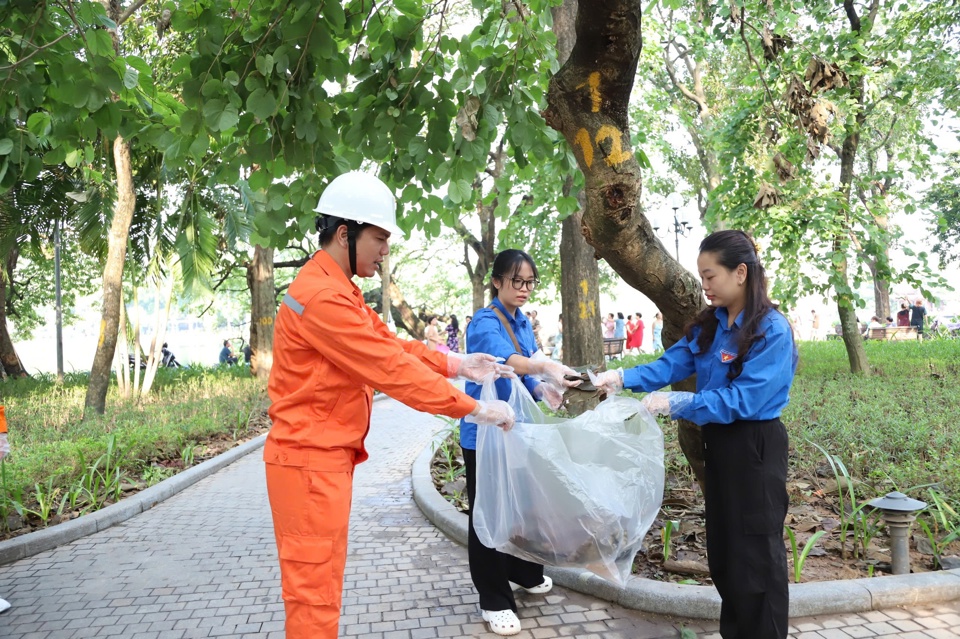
{"x":311,"y":518}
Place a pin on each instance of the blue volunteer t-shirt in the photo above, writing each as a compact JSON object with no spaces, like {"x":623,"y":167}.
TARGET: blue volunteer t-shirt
{"x":760,"y":392}
{"x":487,"y":334}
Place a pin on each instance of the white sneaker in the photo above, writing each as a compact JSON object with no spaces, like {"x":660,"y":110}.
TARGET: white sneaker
{"x":4,"y":605}
{"x":502,"y":622}
{"x":543,"y":588}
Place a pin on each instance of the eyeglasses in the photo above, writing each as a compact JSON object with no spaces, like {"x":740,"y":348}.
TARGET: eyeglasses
{"x":519,"y":284}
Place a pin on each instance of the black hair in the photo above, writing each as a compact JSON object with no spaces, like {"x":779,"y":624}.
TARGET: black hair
{"x":507,"y":264}
{"x":639,"y":315}
{"x":454,"y":323}
{"x":619,"y":315}
{"x":733,"y":248}
{"x":226,"y":342}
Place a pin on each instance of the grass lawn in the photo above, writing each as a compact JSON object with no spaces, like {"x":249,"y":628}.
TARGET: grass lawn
{"x":60,"y":466}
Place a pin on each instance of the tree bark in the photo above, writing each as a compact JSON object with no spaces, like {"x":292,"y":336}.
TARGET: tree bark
{"x":96,"y":398}
{"x":9,"y":359}
{"x":402,"y":313}
{"x":579,"y":275}
{"x":263,"y":311}
{"x":588,"y":102}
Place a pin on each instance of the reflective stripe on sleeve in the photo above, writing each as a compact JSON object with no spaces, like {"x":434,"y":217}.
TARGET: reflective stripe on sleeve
{"x":293,"y":304}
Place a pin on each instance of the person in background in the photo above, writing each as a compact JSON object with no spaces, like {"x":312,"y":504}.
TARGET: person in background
{"x":903,"y":315}
{"x":743,"y":353}
{"x":874,"y":323}
{"x":4,"y":451}
{"x":635,"y":337}
{"x":619,"y":327}
{"x":535,"y":325}
{"x":658,"y":332}
{"x":226,"y":354}
{"x":463,"y":334}
{"x":814,"y":326}
{"x":503,"y":331}
{"x":247,"y":353}
{"x":432,"y":333}
{"x":453,"y":334}
{"x":608,"y":326}
{"x":917,"y":315}
{"x":890,"y":322}
{"x":330,"y":352}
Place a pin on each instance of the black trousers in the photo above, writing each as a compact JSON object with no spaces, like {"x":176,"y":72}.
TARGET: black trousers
{"x":746,"y":503}
{"x":490,"y":569}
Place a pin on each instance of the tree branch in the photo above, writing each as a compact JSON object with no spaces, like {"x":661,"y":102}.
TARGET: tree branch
{"x":130,"y":11}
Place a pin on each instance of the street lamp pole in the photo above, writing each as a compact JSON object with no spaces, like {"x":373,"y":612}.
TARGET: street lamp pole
{"x":681,"y":225}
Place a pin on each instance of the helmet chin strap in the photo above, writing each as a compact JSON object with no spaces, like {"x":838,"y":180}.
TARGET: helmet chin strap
{"x":352,"y":248}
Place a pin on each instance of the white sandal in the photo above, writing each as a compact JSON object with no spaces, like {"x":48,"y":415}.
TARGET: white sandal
{"x":543,"y":588}
{"x":502,"y":622}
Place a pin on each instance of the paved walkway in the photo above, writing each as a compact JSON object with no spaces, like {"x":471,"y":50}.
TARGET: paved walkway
{"x":203,"y":564}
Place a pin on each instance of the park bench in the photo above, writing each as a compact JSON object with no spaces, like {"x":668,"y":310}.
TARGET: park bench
{"x":890,"y":333}
{"x":612,"y":347}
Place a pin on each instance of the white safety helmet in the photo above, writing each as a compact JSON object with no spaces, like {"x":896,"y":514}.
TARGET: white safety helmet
{"x":360,"y":197}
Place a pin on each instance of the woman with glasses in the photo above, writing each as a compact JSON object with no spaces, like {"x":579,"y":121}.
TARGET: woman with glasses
{"x":502,"y":330}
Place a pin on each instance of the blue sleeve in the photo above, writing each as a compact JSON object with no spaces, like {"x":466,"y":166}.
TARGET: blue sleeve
{"x":487,"y":335}
{"x":767,"y":372}
{"x":675,"y":365}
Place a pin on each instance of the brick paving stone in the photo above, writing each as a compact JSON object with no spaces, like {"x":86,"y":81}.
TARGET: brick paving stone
{"x":203,"y":564}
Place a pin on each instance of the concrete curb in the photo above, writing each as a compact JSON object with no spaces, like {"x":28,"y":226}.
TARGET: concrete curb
{"x":703,"y":602}
{"x":36,"y":542}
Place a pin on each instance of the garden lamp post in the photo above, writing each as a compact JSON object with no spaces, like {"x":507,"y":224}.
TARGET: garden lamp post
{"x":899,"y":511}
{"x":681,"y":222}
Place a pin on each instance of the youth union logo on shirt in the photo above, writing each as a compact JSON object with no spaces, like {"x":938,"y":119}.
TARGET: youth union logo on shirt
{"x":726,"y":356}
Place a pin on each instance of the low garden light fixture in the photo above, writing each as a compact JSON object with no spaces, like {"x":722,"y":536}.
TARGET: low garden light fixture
{"x":899,"y":511}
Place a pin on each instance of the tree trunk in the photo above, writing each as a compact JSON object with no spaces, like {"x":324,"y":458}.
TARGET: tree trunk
{"x":580,"y":297}
{"x":852,"y":339}
{"x":579,"y":274}
{"x":9,"y":360}
{"x":881,"y":289}
{"x":263,"y":311}
{"x":588,"y":102}
{"x":112,"y":281}
{"x":402,"y":314}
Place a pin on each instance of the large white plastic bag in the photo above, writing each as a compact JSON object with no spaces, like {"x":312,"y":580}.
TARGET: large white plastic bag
{"x":578,"y":493}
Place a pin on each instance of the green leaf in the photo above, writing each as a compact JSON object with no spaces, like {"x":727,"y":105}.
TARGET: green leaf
{"x":131,"y":77}
{"x":6,"y":145}
{"x":39,"y":123}
{"x":410,"y":8}
{"x":459,"y":191}
{"x":262,"y":104}
{"x":265,"y":64}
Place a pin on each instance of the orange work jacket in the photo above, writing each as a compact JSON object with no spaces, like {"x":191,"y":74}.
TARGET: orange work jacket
{"x":330,"y":350}
{"x":3,"y":419}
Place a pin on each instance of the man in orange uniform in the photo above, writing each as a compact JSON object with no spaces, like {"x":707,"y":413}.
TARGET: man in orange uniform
{"x":330,"y":350}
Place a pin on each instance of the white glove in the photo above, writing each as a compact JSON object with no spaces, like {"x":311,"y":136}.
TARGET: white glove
{"x":666,"y":403}
{"x":609,"y":382}
{"x":551,"y":371}
{"x":492,"y":413}
{"x":476,"y":367}
{"x":549,"y":394}
{"x":4,"y":445}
